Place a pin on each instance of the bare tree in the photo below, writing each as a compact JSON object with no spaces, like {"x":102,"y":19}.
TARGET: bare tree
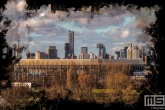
{"x":120,"y":85}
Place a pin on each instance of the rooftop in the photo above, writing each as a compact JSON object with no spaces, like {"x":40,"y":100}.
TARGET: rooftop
{"x":78,"y":61}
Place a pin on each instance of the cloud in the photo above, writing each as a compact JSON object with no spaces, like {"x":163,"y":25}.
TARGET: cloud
{"x":12,"y":32}
{"x":21,"y":5}
{"x":141,"y":23}
{"x":142,"y":37}
{"x":118,"y":43}
{"x":104,"y":30}
{"x":72,"y":25}
{"x":125,"y":33}
{"x":32,"y":43}
{"x":108,"y":25}
{"x":114,"y":34}
{"x":15,"y":10}
{"x":117,"y":48}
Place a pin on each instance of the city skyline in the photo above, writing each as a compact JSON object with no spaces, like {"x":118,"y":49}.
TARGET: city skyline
{"x":129,"y":51}
{"x":116,"y":46}
{"x":112,"y":26}
{"x":71,"y":44}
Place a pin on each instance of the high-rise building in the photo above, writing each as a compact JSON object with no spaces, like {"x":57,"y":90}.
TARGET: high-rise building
{"x":126,"y":45}
{"x":71,"y":41}
{"x":102,"y":54}
{"x":102,"y":51}
{"x":84,"y":50}
{"x":39,"y":55}
{"x":106,"y":56}
{"x":100,"y":46}
{"x":125,"y":50}
{"x":66,"y":48}
{"x":81,"y":56}
{"x":91,"y":55}
{"x":46,"y":56}
{"x":52,"y":52}
{"x":86,"y":56}
{"x":122,"y":53}
{"x":117,"y":55}
{"x":135,"y":52}
{"x":129,"y":53}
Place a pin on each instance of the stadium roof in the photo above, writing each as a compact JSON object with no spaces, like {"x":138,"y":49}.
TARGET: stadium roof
{"x":78,"y":61}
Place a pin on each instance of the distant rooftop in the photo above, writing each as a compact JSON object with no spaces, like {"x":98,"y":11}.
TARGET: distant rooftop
{"x":78,"y":61}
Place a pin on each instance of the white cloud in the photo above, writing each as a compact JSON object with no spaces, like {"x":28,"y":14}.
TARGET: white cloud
{"x":125,"y":33}
{"x":117,"y":48}
{"x":107,"y":26}
{"x":32,"y":43}
{"x":21,"y":5}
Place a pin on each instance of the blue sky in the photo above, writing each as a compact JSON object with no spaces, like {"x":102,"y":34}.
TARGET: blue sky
{"x":112,"y":27}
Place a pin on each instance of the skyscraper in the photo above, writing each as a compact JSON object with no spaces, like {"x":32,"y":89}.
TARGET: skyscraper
{"x":137,"y":56}
{"x":106,"y":56}
{"x":66,"y":48}
{"x":122,"y":53}
{"x":52,"y":52}
{"x":129,"y":53}
{"x":117,"y":54}
{"x":46,"y":56}
{"x":135,"y":52}
{"x":102,"y":51}
{"x":71,"y":41}
{"x":126,"y":45}
{"x":84,"y":50}
{"x":125,"y":50}
{"x":102,"y":54}
{"x":100,"y":46}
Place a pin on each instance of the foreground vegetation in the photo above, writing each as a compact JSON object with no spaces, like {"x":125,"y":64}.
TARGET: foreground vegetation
{"x":112,"y":86}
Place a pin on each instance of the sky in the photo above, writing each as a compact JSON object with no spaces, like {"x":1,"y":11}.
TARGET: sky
{"x":112,"y":26}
